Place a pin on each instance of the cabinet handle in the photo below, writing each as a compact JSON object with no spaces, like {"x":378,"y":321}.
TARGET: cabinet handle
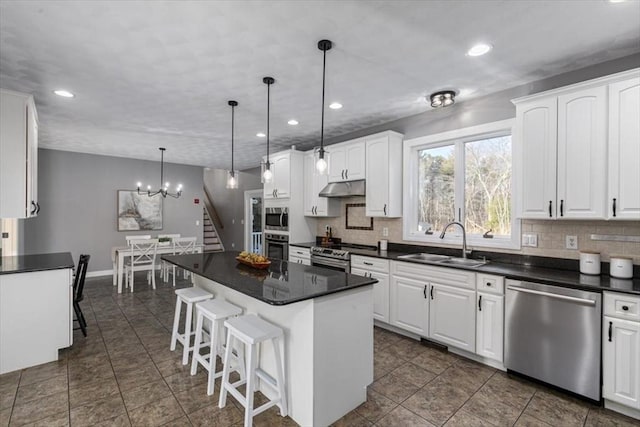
{"x":625,"y":307}
{"x":38,"y":204}
{"x":342,"y":173}
{"x":367,"y":263}
{"x":480,"y":303}
{"x":424,"y":291}
{"x":614,"y":207}
{"x":550,"y":208}
{"x":610,"y":330}
{"x":385,"y":209}
{"x":35,"y":208}
{"x":431,"y":292}
{"x":489,"y":284}
{"x":561,"y":207}
{"x":346,"y":173}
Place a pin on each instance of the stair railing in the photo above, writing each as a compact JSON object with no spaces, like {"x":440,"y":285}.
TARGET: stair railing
{"x":213,"y":214}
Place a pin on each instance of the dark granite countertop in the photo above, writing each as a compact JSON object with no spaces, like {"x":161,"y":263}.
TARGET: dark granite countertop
{"x":38,"y":262}
{"x":518,"y":271}
{"x":282,"y":283}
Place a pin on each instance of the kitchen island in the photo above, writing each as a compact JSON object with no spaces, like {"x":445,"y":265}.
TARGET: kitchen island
{"x":327,"y":318}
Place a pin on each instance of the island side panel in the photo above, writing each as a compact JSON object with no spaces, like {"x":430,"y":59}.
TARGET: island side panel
{"x":297,"y":322}
{"x":343,"y":353}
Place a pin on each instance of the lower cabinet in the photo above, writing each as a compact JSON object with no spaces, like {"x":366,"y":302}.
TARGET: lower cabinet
{"x":452,"y":316}
{"x":380,"y":293}
{"x":409,"y":306}
{"x":490,"y":326}
{"x":299,"y":255}
{"x":621,"y":361}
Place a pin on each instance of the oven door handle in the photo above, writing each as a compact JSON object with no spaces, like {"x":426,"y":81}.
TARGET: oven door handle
{"x":322,"y":261}
{"x":557,"y":296}
{"x":282,"y":219}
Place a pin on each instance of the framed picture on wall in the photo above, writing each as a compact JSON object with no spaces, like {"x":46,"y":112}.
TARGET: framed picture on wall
{"x":138,"y":211}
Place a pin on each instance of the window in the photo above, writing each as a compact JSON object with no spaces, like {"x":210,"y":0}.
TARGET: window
{"x":464,"y":176}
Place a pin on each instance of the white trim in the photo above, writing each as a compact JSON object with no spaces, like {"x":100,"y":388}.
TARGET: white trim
{"x":248,"y":194}
{"x":410,"y":165}
{"x":99,"y":273}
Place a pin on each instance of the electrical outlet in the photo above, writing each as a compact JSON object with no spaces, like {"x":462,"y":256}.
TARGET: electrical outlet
{"x":197,"y":222}
{"x":530,"y":240}
{"x":385,"y":231}
{"x":571,"y":242}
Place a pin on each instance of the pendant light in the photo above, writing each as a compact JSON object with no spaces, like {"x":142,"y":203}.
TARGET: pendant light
{"x":232,"y":178}
{"x":321,"y":162}
{"x":164,"y":186}
{"x":267,"y":175}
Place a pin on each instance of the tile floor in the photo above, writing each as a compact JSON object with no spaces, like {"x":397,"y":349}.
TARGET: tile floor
{"x":124,"y":374}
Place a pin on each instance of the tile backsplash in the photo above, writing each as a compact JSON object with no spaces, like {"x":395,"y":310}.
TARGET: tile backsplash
{"x":551,"y":235}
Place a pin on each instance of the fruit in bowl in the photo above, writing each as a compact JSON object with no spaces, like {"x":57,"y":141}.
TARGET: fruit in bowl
{"x":254,"y":260}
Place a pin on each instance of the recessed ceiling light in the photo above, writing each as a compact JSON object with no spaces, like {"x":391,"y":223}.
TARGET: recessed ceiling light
{"x":479,"y":49}
{"x":617,"y":1}
{"x":293,"y":122}
{"x":63,"y":93}
{"x":260,"y":135}
{"x":335,"y":106}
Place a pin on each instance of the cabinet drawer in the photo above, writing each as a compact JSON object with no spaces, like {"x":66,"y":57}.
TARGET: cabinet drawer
{"x":623,"y":306}
{"x":490,"y":283}
{"x":368,"y":263}
{"x":299,"y":252}
{"x":442,"y":275}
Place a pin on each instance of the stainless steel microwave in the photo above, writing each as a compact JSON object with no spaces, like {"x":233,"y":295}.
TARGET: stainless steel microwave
{"x":276,"y":219}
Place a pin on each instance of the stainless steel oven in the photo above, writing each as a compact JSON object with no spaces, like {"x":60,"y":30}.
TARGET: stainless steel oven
{"x":276,"y":246}
{"x":334,"y":259}
{"x":276,"y":219}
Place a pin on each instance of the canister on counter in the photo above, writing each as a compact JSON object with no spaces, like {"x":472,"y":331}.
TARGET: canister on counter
{"x":590,"y":262}
{"x":621,"y":267}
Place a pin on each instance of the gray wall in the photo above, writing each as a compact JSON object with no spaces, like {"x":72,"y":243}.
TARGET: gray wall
{"x":230,"y":203}
{"x":77,"y":193}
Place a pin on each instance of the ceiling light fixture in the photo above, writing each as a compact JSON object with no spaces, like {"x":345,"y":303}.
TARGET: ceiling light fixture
{"x":232,"y":179}
{"x":260,"y":135}
{"x":63,"y":93}
{"x":164,"y":188}
{"x":479,"y":49}
{"x":293,"y":122}
{"x":335,"y":106}
{"x":267,"y":175}
{"x":321,"y":163}
{"x":443,"y":98}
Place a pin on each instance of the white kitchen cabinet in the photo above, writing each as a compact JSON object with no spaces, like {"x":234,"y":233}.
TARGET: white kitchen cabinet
{"x":490,"y":326}
{"x":18,"y":155}
{"x":376,"y":268}
{"x":623,"y":201}
{"x":408,"y":304}
{"x":315,"y":205}
{"x":299,"y":255}
{"x":452,"y":316}
{"x":384,"y":175}
{"x":582,"y":154}
{"x":347,"y":161}
{"x":621,"y":361}
{"x":280,"y":185}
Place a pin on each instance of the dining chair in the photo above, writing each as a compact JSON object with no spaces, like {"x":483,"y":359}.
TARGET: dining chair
{"x":78,"y":288}
{"x":142,"y":257}
{"x":182,"y":246}
{"x":164,"y":267}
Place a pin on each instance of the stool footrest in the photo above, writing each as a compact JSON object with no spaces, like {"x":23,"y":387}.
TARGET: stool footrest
{"x":239,"y":397}
{"x":262,"y":408}
{"x":268,"y":379}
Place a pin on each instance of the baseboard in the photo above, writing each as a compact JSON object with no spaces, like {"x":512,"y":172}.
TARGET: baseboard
{"x":100,"y":273}
{"x":623,"y":409}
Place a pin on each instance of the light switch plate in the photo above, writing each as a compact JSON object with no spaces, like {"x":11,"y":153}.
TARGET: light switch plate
{"x":571,"y":242}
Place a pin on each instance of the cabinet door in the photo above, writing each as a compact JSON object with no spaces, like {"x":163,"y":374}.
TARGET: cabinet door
{"x":377,"y":171}
{"x":337,"y":163}
{"x":621,"y":361}
{"x":624,"y":150}
{"x":490,"y":326}
{"x":408,"y":305}
{"x":535,"y":149}
{"x":452,"y":316}
{"x":355,"y":168}
{"x":582,"y":154}
{"x":380,"y":293}
{"x":309,"y":195}
{"x":281,"y":176}
{"x":323,"y":205}
{"x":32,"y":161}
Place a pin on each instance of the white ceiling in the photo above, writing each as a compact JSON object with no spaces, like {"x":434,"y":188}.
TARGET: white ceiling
{"x":150,"y":74}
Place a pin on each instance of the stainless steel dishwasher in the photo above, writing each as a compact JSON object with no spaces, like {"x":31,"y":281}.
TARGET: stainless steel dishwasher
{"x":553,"y":334}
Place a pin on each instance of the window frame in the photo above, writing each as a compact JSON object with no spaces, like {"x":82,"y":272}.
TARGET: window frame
{"x":457,"y":138}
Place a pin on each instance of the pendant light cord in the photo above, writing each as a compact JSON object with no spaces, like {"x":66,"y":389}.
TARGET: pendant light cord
{"x":161,"y":168}
{"x":268,"y":113}
{"x":233,"y":109}
{"x":324,"y":68}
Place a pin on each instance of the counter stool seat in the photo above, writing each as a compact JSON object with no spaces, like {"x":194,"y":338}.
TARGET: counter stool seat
{"x":251,"y":331}
{"x":216,"y":311}
{"x":188,"y":296}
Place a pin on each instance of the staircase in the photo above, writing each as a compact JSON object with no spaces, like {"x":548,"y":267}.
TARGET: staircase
{"x":211,"y":240}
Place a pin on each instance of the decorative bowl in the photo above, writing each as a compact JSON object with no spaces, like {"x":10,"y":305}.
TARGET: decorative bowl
{"x":258,"y":265}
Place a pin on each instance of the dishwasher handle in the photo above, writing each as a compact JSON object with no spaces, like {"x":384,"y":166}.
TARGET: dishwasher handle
{"x":552,"y":295}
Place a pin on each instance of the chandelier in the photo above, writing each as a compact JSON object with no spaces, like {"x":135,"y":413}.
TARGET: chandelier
{"x":164,"y":188}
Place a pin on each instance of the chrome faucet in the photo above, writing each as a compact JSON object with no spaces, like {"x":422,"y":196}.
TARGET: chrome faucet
{"x":464,"y":236}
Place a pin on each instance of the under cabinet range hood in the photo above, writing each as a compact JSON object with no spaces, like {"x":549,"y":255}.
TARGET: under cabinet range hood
{"x":343,"y":189}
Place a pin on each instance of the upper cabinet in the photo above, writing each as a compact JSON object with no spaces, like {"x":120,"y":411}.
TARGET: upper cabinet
{"x":280,"y":185}
{"x":347,"y":161}
{"x":313,"y":184}
{"x":384,"y":175}
{"x":624,"y":150}
{"x":18,"y":155}
{"x":562,"y":141}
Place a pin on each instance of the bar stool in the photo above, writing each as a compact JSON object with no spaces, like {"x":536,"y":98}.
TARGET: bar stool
{"x":216,"y":311}
{"x":188,"y":296}
{"x":252,"y":331}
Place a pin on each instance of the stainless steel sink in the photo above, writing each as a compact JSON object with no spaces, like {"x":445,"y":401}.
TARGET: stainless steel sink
{"x":467,"y":262}
{"x":427,"y":258}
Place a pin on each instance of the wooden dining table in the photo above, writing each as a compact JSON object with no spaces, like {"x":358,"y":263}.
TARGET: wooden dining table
{"x":118,"y":253}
